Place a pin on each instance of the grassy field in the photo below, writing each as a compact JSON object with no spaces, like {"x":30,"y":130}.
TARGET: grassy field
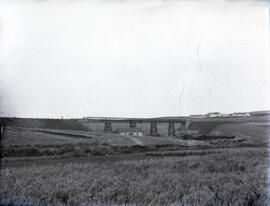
{"x":69,"y":166}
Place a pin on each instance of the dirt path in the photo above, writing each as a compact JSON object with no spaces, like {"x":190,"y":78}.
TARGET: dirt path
{"x":34,"y":161}
{"x":135,"y":140}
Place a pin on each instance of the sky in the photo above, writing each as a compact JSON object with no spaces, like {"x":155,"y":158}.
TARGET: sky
{"x":144,"y":58}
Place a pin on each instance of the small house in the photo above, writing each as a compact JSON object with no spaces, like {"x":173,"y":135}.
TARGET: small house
{"x":130,"y":131}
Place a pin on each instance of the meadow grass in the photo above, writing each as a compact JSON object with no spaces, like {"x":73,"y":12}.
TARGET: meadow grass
{"x":20,"y":142}
{"x":232,"y":177}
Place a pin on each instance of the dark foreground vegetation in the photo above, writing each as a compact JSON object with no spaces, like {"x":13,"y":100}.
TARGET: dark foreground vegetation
{"x":226,"y":178}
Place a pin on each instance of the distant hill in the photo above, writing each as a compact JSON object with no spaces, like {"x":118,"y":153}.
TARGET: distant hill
{"x":260,"y":113}
{"x":69,"y":124}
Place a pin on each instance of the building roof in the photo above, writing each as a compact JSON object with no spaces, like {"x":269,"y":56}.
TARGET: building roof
{"x":130,"y":129}
{"x":213,"y":113}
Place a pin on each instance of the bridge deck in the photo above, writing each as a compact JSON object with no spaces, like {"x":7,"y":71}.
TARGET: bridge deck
{"x":169,"y":119}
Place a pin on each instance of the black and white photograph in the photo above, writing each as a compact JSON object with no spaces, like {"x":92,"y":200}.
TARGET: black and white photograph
{"x":134,"y":103}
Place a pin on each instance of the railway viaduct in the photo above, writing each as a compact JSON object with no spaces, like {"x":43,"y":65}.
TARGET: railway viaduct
{"x":108,"y":121}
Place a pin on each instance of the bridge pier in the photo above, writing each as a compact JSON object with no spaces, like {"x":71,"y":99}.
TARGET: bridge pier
{"x":171,"y":129}
{"x":132,"y":124}
{"x":153,"y":129}
{"x":185,"y":127}
{"x":108,"y":126}
{"x":188,"y":123}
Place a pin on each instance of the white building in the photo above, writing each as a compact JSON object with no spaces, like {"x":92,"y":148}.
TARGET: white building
{"x":225,"y":115}
{"x":241,"y":114}
{"x":130,"y":131}
{"x":214,"y":114}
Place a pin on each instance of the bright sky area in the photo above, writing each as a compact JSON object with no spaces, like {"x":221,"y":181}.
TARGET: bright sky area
{"x":132,"y":58}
